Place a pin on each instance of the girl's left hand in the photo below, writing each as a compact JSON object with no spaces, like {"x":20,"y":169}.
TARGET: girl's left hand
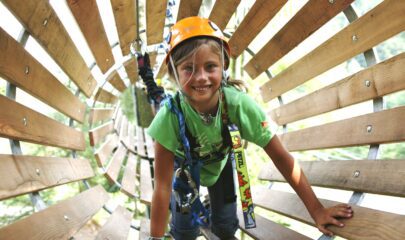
{"x":327,"y":216}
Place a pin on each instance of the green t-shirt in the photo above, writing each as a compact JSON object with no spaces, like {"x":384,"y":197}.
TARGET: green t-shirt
{"x":242,"y":111}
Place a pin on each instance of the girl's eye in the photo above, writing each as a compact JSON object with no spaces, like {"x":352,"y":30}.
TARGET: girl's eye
{"x":188,"y":68}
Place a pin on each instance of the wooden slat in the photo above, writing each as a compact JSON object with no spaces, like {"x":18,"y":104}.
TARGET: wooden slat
{"x":114,"y":167}
{"x":269,"y":230}
{"x":21,"y":69}
{"x":39,"y":18}
{"x":105,"y":96}
{"x":146,"y":189}
{"x":124,"y":128}
{"x":372,"y":176}
{"x":117,"y":121}
{"x":97,"y":134}
{"x":150,"y":146}
{"x":386,"y":126}
{"x":129,"y":178}
{"x":131,"y":67}
{"x":24,"y":174}
{"x":100,"y":114}
{"x":115,"y":80}
{"x":384,"y":78}
{"x":379,"y":24}
{"x":59,"y":221}
{"x":255,"y":20}
{"x":141,"y":142}
{"x":103,"y":153}
{"x":188,"y":8}
{"x":155,"y":21}
{"x":309,"y":19}
{"x":162,"y":70}
{"x":117,"y":226}
{"x":222,"y":12}
{"x":21,"y":123}
{"x":88,"y":18}
{"x":125,"y":18}
{"x":384,"y":225}
{"x":144,"y":233}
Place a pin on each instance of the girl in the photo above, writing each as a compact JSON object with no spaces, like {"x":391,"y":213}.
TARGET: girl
{"x":192,"y":140}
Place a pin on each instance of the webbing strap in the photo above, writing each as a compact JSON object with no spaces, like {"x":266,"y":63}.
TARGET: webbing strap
{"x":238,"y":156}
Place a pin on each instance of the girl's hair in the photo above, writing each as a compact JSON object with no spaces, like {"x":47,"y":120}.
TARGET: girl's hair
{"x":188,"y":48}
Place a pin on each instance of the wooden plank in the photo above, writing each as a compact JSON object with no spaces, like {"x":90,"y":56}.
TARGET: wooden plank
{"x":222,"y":12}
{"x":24,"y":174}
{"x":88,"y":18}
{"x":131,"y":67}
{"x":129,"y":178}
{"x":114,"y":167}
{"x":144,"y":233}
{"x":371,"y":176}
{"x":39,"y":18}
{"x":384,"y":78}
{"x":155,"y":21}
{"x":130,"y":141}
{"x":21,"y":69}
{"x":21,"y":123}
{"x":150,"y":146}
{"x":115,"y":80}
{"x":162,"y":70}
{"x":377,"y":25}
{"x":59,"y":221}
{"x":385,"y":225}
{"x":103,"y":153}
{"x":141,"y":142}
{"x":269,"y":230}
{"x":117,"y":121}
{"x":105,"y":96}
{"x":100,"y":114}
{"x":146,"y":188}
{"x":99,"y":133}
{"x":125,"y":19}
{"x":117,"y":226}
{"x":255,"y":20}
{"x":124,"y":128}
{"x":188,"y":8}
{"x":308,"y":20}
{"x":384,"y":127}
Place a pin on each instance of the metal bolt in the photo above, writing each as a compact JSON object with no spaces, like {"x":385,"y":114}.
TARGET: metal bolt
{"x":256,"y":66}
{"x":66,"y":217}
{"x":367,"y":83}
{"x":355,"y":38}
{"x":45,"y":22}
{"x":25,"y":122}
{"x":356,"y":174}
{"x":369,"y":128}
{"x":107,"y":60}
{"x":331,"y":1}
{"x":27,"y":69}
{"x":38,"y":171}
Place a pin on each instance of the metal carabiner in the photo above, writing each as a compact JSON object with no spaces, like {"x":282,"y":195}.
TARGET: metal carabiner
{"x":185,"y":202}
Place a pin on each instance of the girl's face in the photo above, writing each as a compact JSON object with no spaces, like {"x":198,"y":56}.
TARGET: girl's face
{"x":200,"y":77}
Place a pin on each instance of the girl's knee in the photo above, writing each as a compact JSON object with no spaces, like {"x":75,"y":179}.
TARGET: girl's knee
{"x":225,"y":231}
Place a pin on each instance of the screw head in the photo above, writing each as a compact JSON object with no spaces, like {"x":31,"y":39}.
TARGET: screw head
{"x":25,"y":122}
{"x":45,"y":22}
{"x":331,"y":1}
{"x":355,"y":38}
{"x":66,"y":217}
{"x":369,"y":128}
{"x":367,"y":83}
{"x":27,"y":69}
{"x":356,"y":174}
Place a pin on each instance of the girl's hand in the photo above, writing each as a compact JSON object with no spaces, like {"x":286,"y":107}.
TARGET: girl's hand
{"x":327,"y":216}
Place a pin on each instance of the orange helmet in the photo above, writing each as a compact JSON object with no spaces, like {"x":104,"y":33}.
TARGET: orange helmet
{"x":191,"y":27}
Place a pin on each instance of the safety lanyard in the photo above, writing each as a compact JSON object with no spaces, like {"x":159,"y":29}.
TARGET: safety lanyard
{"x":238,"y":156}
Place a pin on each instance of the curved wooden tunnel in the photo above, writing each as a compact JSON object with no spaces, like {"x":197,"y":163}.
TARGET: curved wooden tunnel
{"x":125,"y":153}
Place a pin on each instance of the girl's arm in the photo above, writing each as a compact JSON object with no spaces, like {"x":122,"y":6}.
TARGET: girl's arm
{"x":164,"y":163}
{"x":295,"y":177}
